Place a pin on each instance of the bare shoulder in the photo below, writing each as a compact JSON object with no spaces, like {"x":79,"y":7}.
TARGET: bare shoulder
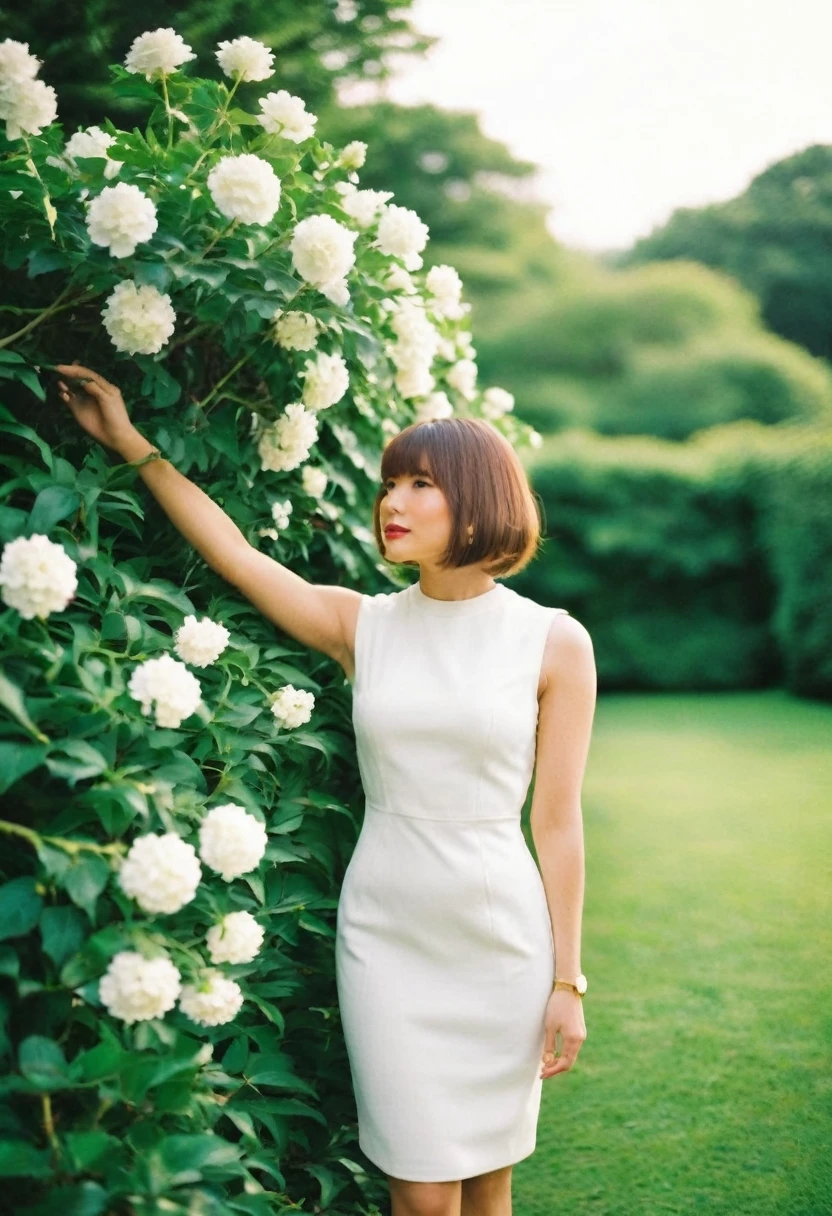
{"x":568,"y":653}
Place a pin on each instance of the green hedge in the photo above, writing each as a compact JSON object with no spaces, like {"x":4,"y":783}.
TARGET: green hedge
{"x":697,"y":565}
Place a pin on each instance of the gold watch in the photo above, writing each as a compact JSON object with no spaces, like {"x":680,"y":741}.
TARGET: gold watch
{"x":578,"y":985}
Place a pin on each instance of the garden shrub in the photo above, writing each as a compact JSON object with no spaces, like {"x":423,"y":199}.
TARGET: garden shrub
{"x":179,"y":785}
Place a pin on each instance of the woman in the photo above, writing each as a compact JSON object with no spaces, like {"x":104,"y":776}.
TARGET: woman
{"x":447,"y":934}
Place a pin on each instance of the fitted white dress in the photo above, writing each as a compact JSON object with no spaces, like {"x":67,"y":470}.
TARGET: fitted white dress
{"x":444,"y":950}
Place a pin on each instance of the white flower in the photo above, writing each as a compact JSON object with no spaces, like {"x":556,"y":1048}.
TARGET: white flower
{"x":295,"y":330}
{"x":402,"y":234}
{"x":245,"y":57}
{"x":363,"y":206}
{"x":168,"y":682}
{"x":446,"y":350}
{"x":286,"y":443}
{"x":398,"y":279}
{"x":213,"y":1001}
{"x":326,"y":379}
{"x":27,"y":106}
{"x":463,"y":377}
{"x":281,"y":512}
{"x":322,"y":250}
{"x":286,"y":115}
{"x":353,"y":155}
{"x":201,"y":643}
{"x":92,"y":142}
{"x":390,"y":426}
{"x":463,"y":345}
{"x":37,"y":576}
{"x":135,"y":988}
{"x":414,"y":380}
{"x":231,"y":841}
{"x":535,"y":438}
{"x":139,"y":320}
{"x":445,"y":287}
{"x":314,"y":480}
{"x":245,"y":188}
{"x":237,"y":938}
{"x":418,"y":340}
{"x":271,"y":532}
{"x":121,"y":218}
{"x":292,"y":706}
{"x":336,"y":292}
{"x":157,"y":53}
{"x":496,"y":402}
{"x":16,"y":62}
{"x":161,"y":873}
{"x":436,"y":405}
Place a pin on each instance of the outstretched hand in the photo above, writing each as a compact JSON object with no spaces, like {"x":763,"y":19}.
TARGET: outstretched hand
{"x":564,"y":1016}
{"x":96,"y":404}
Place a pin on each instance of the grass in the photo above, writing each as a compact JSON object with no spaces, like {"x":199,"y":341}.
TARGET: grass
{"x":705,"y":1082}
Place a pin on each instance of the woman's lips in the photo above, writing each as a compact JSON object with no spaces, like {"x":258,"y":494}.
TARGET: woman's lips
{"x":392,"y":533}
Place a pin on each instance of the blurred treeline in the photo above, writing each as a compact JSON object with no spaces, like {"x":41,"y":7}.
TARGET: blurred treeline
{"x":683,"y":387}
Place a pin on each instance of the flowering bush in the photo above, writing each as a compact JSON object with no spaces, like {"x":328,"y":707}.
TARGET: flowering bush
{"x":173,"y":848}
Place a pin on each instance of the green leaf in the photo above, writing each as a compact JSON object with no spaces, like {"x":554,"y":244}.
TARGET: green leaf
{"x":81,"y":1199}
{"x":19,"y":1159}
{"x":84,"y":881}
{"x":62,"y":931}
{"x":26,"y":376}
{"x":9,"y":962}
{"x":42,"y":1063}
{"x":83,"y":760}
{"x":51,"y":505}
{"x":20,"y":907}
{"x":11,"y":698}
{"x":87,"y":1148}
{"x":18,"y":759}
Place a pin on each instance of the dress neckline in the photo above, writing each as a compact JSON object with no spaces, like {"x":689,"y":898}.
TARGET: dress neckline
{"x":474,"y":603}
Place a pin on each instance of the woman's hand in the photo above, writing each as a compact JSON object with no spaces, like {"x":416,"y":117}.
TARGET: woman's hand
{"x":97,"y":405}
{"x":564,"y":1015}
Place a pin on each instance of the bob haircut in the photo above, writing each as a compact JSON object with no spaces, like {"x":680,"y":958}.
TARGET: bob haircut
{"x":486,"y":486}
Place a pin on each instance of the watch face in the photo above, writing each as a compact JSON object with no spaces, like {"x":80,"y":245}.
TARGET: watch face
{"x":581,"y":984}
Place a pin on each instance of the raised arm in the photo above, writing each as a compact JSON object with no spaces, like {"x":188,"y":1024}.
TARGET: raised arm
{"x":317,"y":615}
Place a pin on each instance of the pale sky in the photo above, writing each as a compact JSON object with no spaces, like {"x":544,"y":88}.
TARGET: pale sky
{"x":632,"y":107}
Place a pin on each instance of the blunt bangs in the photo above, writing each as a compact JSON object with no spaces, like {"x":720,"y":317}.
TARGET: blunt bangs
{"x":481,"y":476}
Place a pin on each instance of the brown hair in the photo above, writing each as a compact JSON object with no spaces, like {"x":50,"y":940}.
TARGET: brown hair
{"x":480,"y":474}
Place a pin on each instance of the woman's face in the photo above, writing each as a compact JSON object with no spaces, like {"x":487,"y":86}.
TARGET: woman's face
{"x":414,"y":502}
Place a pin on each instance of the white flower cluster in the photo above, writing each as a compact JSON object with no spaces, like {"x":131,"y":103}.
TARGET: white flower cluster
{"x":287,"y":116}
{"x":399,"y":279}
{"x":445,"y":288}
{"x":94,"y":143}
{"x":135,"y":988}
{"x":139,"y":320}
{"x":323,"y":252}
{"x":415,"y":348}
{"x":37,"y":576}
{"x":287,"y":442}
{"x":292,"y":706}
{"x":121,"y":218}
{"x":200,"y":643}
{"x":214,"y":1001}
{"x":402,"y":234}
{"x":295,"y":330}
{"x":363,"y":206}
{"x":236,"y":938}
{"x":280,"y":514}
{"x":231,"y":841}
{"x":353,"y":155}
{"x":326,"y":379}
{"x":463,"y":377}
{"x":436,"y":405}
{"x":245,"y":188}
{"x":314,"y":481}
{"x":245,"y":58}
{"x":26,"y":103}
{"x":157,"y":53}
{"x":168,"y":682}
{"x":496,"y":402}
{"x":161,"y":873}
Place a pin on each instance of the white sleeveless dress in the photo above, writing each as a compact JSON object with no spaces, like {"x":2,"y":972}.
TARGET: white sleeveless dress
{"x":444,"y":950}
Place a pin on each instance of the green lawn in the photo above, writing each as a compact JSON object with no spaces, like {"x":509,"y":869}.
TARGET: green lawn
{"x":705,"y":1082}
